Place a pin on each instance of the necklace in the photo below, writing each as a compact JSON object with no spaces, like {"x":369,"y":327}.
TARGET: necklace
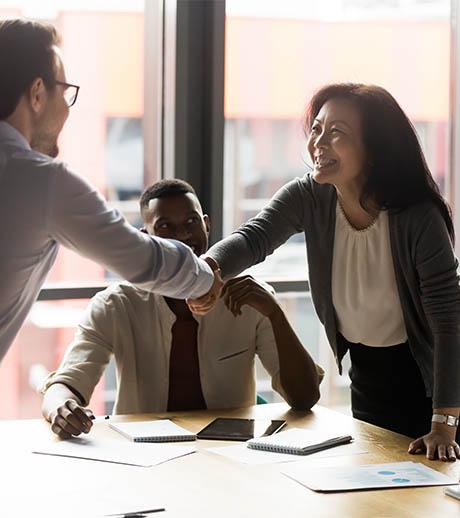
{"x":365,"y":229}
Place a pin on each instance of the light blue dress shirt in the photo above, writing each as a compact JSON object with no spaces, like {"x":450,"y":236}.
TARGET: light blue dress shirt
{"x":42,"y":205}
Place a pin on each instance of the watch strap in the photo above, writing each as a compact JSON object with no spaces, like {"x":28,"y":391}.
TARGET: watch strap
{"x":449,"y":420}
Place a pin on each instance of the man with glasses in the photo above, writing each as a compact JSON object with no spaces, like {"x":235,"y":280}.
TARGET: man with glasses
{"x":43,"y":204}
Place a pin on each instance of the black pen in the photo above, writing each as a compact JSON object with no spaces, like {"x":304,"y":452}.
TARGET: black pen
{"x":138,"y":514}
{"x":93,"y":417}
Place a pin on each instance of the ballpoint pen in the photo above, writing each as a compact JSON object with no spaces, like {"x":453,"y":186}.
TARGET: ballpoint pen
{"x":137,"y":514}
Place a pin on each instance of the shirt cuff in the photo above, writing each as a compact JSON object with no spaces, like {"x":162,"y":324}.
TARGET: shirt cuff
{"x":204,"y":281}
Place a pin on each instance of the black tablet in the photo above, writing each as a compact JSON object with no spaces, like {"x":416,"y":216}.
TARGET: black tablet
{"x":235,"y":429}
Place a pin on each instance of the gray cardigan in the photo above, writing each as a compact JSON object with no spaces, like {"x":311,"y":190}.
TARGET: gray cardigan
{"x":423,"y":258}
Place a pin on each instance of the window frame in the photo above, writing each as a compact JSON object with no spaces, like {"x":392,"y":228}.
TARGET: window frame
{"x":184,"y":114}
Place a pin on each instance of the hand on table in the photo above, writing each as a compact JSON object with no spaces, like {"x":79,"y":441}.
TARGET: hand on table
{"x":205,"y":303}
{"x":71,"y":419}
{"x":438,"y":444}
{"x":246,"y":290}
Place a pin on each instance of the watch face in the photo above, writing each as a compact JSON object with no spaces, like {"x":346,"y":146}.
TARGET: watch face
{"x":452,"y":420}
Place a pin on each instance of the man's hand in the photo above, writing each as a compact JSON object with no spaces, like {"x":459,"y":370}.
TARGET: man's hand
{"x":71,"y":419}
{"x":438,"y":444}
{"x":205,"y":303}
{"x":246,"y":290}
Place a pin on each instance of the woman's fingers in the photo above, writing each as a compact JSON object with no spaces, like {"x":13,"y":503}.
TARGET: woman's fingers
{"x":416,"y":446}
{"x":451,"y":455}
{"x":442,"y":452}
{"x":457,"y":450}
{"x":431,"y":450}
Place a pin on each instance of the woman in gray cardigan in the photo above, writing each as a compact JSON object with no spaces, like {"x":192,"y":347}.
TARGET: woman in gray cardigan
{"x":382,"y":270}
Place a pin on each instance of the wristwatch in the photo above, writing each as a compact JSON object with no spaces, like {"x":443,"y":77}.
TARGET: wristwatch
{"x":449,"y":420}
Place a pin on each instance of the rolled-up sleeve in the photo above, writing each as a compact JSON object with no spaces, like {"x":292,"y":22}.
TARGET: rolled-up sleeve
{"x":80,"y":219}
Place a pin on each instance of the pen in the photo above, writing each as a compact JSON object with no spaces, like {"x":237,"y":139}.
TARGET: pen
{"x":98,"y":418}
{"x":138,"y":514}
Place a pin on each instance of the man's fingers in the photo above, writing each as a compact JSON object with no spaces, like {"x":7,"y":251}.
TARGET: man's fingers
{"x":232,"y":298}
{"x":234,"y":283}
{"x":55,"y":428}
{"x":205,"y":303}
{"x":83,"y":415}
{"x":242,"y":300}
{"x":72,"y":419}
{"x":65,"y":425}
{"x":200,"y":310}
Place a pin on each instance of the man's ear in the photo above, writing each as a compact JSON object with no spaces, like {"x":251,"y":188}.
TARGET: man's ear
{"x":37,"y":95}
{"x":207,"y":222}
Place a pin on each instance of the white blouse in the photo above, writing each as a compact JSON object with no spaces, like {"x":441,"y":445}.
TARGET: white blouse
{"x":364,"y":291}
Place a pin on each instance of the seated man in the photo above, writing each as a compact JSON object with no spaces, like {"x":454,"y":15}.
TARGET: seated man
{"x":168,"y":359}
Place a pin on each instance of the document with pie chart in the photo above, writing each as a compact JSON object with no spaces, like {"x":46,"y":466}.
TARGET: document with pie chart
{"x":367,"y":476}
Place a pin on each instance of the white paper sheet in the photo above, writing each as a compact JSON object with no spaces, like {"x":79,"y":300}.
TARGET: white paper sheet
{"x":119,"y":452}
{"x":368,"y":476}
{"x":241,"y":453}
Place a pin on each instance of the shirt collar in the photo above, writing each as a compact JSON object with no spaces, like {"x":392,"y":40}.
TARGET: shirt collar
{"x":10,"y":134}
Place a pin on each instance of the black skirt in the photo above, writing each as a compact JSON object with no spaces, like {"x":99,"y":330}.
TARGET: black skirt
{"x":387,"y":389}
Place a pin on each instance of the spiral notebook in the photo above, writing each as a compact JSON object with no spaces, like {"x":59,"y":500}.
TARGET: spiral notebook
{"x":298,"y":442}
{"x":160,"y":430}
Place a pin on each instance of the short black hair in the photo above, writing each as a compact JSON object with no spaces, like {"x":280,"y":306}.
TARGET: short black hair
{"x":26,"y":53}
{"x":165,"y":189}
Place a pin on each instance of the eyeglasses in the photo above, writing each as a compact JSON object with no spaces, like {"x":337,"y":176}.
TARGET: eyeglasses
{"x":70,"y":92}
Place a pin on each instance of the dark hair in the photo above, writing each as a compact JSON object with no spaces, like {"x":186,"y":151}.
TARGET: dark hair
{"x":165,"y":189}
{"x":397,"y":175}
{"x":25,"y":54}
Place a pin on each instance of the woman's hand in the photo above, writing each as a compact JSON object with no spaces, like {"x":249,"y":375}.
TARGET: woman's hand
{"x":438,"y":444}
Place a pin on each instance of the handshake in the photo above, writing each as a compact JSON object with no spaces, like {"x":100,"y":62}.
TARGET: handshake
{"x":236,"y":293}
{"x":206,"y":302}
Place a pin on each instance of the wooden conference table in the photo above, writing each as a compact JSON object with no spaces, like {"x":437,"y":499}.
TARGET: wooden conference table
{"x":208,"y":485}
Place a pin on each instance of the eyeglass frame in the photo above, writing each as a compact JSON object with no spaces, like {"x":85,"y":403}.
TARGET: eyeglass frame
{"x":68,"y":85}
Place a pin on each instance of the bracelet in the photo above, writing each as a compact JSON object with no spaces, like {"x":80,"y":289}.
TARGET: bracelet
{"x":449,"y":420}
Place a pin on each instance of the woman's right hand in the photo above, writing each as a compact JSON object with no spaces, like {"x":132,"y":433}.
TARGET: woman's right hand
{"x":71,"y":419}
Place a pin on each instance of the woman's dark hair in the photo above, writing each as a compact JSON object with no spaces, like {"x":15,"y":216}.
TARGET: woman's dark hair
{"x":25,"y":53}
{"x":397,"y":174}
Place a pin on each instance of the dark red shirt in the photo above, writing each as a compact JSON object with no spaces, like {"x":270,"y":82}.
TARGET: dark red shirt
{"x":184,"y":366}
